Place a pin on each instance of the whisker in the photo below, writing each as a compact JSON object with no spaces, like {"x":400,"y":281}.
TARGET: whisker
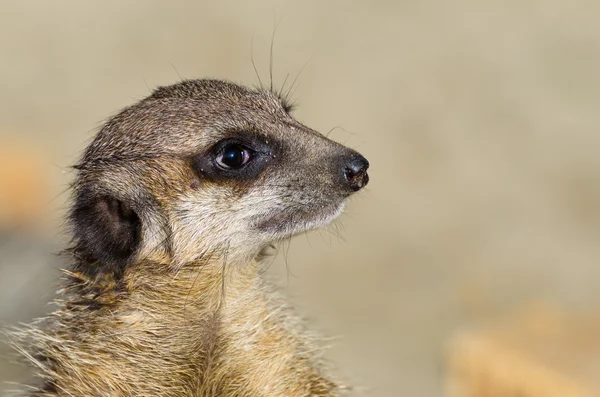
{"x":287,"y":266}
{"x":254,"y":63}
{"x":289,"y":92}
{"x":176,"y":71}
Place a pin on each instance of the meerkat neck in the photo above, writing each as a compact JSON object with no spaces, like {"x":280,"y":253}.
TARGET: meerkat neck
{"x":206,"y":330}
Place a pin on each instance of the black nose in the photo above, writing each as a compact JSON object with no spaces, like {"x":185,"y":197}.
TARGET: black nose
{"x":355,"y":172}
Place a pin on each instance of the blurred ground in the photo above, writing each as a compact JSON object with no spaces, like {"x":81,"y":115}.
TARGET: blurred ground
{"x":480,"y":120}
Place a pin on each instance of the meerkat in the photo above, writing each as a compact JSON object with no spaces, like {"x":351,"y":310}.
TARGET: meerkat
{"x":174,"y":202}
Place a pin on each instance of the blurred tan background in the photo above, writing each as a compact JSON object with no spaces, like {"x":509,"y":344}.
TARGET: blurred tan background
{"x":481,"y":121}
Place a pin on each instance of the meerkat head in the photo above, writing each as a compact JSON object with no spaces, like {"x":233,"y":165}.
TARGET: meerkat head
{"x":205,"y":167}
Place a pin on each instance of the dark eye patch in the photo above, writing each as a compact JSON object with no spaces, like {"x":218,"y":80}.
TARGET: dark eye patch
{"x":242,"y":156}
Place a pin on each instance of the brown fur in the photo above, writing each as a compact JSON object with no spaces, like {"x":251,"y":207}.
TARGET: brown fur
{"x":166,"y":297}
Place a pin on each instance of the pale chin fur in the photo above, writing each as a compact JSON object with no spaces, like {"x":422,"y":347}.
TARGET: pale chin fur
{"x":319,"y":221}
{"x":328,"y":218}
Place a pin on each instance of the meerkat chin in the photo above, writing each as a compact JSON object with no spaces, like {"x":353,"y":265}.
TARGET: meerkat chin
{"x":173,"y":203}
{"x":287,"y":223}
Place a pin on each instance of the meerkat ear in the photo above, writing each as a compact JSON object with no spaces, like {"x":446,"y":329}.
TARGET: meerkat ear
{"x":107,"y":231}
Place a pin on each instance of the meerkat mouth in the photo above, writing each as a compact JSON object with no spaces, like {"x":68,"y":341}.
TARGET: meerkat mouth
{"x":292,"y":221}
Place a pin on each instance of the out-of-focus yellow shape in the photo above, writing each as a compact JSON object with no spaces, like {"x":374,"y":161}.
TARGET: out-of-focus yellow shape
{"x":539,"y":352}
{"x":23,"y":196}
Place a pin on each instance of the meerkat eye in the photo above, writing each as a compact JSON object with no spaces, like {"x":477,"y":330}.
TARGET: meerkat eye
{"x":233,"y":156}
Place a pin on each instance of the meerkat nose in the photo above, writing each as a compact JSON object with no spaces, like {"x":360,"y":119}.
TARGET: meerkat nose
{"x":355,"y":172}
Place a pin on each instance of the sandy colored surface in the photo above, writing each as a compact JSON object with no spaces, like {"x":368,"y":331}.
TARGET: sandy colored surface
{"x":480,"y":120}
{"x":538,"y":352}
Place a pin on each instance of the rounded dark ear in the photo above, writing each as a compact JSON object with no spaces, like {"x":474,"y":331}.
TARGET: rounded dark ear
{"x":107,"y":231}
